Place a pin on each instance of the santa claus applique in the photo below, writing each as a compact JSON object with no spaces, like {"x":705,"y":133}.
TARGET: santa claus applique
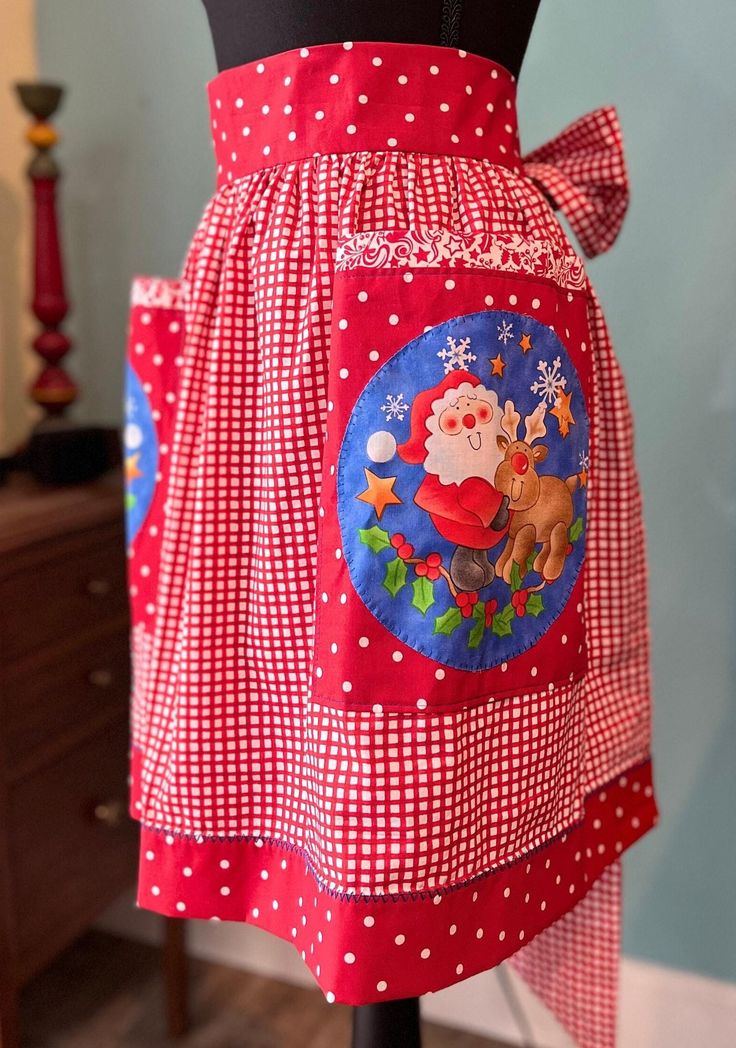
{"x":454,"y":430}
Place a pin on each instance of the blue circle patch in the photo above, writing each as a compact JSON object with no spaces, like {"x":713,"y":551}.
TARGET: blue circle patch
{"x":141,"y":454}
{"x":462,"y":488}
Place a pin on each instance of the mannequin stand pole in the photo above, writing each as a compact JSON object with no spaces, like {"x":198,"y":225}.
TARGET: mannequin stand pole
{"x":391,"y":1024}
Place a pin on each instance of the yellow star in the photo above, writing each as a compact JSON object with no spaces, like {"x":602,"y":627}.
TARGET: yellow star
{"x":498,"y":365}
{"x":526,"y":343}
{"x":562,"y":411}
{"x":379,"y":492}
{"x":131,"y":466}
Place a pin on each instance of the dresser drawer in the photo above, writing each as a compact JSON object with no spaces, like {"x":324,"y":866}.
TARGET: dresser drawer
{"x":46,"y":698}
{"x":73,"y":585}
{"x":72,"y":846}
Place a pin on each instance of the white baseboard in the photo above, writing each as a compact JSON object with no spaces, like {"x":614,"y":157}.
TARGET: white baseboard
{"x":659,"y":1008}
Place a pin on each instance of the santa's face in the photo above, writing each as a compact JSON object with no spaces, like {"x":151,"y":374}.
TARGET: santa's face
{"x":463,"y":428}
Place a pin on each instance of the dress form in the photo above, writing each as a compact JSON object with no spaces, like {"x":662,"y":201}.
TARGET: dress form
{"x":247,"y":30}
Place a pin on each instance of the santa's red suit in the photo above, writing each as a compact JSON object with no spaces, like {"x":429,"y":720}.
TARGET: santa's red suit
{"x":462,"y":512}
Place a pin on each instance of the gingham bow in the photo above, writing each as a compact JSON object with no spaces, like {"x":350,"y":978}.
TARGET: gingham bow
{"x":583,"y":171}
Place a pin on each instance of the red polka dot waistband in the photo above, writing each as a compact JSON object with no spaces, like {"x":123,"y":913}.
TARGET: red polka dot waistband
{"x":346,"y":97}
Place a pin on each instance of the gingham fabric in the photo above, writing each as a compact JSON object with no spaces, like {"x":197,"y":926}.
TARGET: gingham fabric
{"x":387,"y":568}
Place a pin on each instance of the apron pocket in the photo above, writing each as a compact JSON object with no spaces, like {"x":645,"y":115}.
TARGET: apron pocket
{"x":155,"y":336}
{"x":457,"y":452}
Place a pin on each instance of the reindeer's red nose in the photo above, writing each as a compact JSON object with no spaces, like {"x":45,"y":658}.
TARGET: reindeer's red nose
{"x":520,"y":462}
{"x":469,"y":421}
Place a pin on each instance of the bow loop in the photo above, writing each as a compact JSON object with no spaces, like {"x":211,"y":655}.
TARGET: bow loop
{"x":583,"y":171}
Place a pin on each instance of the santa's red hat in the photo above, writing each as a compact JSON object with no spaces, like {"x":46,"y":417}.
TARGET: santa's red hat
{"x":413,"y":450}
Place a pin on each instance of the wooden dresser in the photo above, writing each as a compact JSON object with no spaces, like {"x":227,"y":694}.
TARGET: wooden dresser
{"x":67,"y":845}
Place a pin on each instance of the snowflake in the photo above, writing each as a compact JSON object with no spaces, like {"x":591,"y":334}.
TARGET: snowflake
{"x":456,"y":357}
{"x":395,"y":407}
{"x":584,"y":460}
{"x":505,"y":332}
{"x":551,"y":381}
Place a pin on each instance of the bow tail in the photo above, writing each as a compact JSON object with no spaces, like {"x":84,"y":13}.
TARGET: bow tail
{"x":583,"y":172}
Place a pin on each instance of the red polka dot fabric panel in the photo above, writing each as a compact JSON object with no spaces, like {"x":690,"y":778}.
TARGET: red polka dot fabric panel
{"x":387,"y":565}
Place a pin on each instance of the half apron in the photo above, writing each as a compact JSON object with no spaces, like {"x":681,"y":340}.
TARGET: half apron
{"x":387,"y":564}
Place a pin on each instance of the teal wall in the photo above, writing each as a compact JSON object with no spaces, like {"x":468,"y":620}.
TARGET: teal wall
{"x":139,"y":170}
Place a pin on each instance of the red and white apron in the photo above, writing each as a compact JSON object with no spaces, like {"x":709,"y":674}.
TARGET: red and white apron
{"x":387,"y":568}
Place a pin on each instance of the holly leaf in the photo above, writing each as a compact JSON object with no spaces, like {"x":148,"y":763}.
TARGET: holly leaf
{"x":374,"y":538}
{"x":502,"y":621}
{"x":476,"y":634}
{"x":534,"y":604}
{"x":479,"y":610}
{"x":395,"y":578}
{"x":448,"y":622}
{"x":423,"y":598}
{"x":515,"y":577}
{"x":576,"y":529}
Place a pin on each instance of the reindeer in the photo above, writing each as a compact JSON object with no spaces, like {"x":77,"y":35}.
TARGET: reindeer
{"x":542,"y":505}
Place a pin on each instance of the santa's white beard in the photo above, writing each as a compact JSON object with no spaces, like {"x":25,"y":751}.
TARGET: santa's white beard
{"x":452,"y":458}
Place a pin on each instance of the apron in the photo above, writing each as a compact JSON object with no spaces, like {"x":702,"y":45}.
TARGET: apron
{"x":387,"y":566}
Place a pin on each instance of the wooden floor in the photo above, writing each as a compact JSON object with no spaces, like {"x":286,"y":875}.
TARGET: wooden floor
{"x":105,"y":993}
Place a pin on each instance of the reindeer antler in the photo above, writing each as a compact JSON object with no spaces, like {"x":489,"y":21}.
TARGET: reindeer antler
{"x":510,"y":419}
{"x":534,"y":423}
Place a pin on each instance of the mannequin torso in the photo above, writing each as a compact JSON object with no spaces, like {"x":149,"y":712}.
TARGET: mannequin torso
{"x":245,"y":30}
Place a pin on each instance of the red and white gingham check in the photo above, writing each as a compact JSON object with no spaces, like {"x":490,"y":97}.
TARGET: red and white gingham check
{"x":583,"y":171}
{"x":400,"y":850}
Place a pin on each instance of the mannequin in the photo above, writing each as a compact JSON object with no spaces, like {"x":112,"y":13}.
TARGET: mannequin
{"x":246,"y":30}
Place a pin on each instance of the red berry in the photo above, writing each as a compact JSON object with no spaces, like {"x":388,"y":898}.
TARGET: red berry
{"x":473,"y":597}
{"x":520,"y":610}
{"x":433,"y":573}
{"x":568,"y":551}
{"x":421,"y":568}
{"x":492,"y":604}
{"x":515,"y":598}
{"x":467,"y":610}
{"x":434,"y":560}
{"x":489,"y":615}
{"x":462,"y":599}
{"x":405,"y":551}
{"x":523,"y":596}
{"x":397,"y":540}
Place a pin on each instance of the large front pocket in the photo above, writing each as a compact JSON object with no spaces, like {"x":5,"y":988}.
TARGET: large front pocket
{"x":453,"y":507}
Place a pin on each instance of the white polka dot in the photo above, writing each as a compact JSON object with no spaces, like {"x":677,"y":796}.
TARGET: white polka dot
{"x":351,"y":129}
{"x":521,"y":935}
{"x":397,"y":656}
{"x":504,"y":667}
{"x":382,"y":985}
{"x":501,"y":936}
{"x":479,"y":934}
{"x":444,"y":107}
{"x":333,"y":647}
{"x":181,"y":907}
{"x":479,"y":132}
{"x":409,"y":117}
{"x":334,"y":78}
{"x":439,"y":674}
{"x":330,"y":997}
{"x":377,"y":708}
{"x":449,"y":284}
{"x":489,"y":106}
{"x":534,"y":671}
{"x":513,"y":300}
{"x":305,"y":54}
{"x":434,"y":70}
{"x":506,"y":893}
{"x":187,"y":871}
{"x":362,"y":296}
{"x":536,"y":303}
{"x":403,"y":79}
{"x":320,"y":114}
{"x":344,"y":372}
{"x":150,"y":856}
{"x":287,"y":109}
{"x":363,"y":642}
{"x":393,"y":319}
{"x":421,"y":704}
{"x":347,"y":686}
{"x":391,"y":142}
{"x":377,"y":61}
{"x":362,"y":99}
{"x":348,"y":45}
{"x":224,"y":890}
{"x":459,"y":969}
{"x":400,"y":940}
{"x":455,"y":139}
{"x":264,"y":875}
{"x":291,"y":136}
{"x":425,"y":953}
{"x":155,"y":890}
{"x":266,"y":150}
{"x":369,"y":921}
{"x":349,"y":958}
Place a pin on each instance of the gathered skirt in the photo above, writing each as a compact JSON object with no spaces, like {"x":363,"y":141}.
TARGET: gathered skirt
{"x":387,"y":565}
